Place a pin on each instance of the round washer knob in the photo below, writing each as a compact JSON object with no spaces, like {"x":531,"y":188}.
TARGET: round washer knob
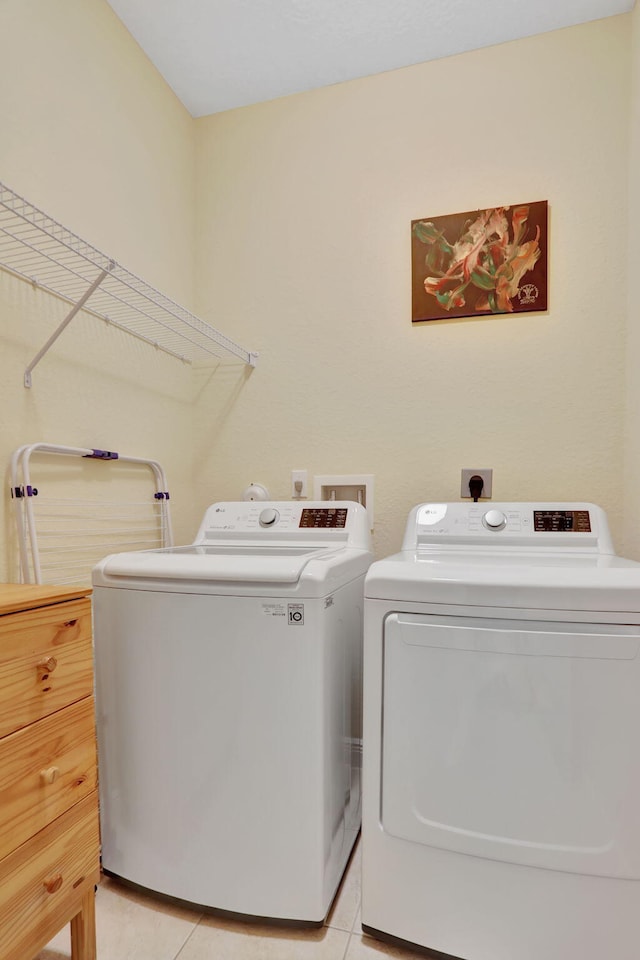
{"x":494,"y":520}
{"x":268,"y":517}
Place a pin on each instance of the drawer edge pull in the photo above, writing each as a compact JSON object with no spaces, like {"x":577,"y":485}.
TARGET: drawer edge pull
{"x":53,"y":884}
{"x":50,"y":775}
{"x":46,"y":666}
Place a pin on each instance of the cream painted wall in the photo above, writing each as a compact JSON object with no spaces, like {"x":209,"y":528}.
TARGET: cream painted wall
{"x":632,"y":436}
{"x":301,"y":250}
{"x":304,"y":210}
{"x":93,"y":136}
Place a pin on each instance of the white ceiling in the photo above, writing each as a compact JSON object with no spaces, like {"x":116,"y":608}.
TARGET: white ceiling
{"x":220,"y":54}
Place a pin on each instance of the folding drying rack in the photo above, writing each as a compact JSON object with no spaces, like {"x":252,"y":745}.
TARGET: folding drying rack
{"x":61,"y":533}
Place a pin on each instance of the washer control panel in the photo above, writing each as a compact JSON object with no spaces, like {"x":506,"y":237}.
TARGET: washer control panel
{"x":290,"y":520}
{"x":324,"y":517}
{"x":311,"y":518}
{"x":574,"y":525}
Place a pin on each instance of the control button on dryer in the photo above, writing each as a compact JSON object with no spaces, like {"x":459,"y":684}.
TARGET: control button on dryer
{"x":494,"y":520}
{"x":268,"y":517}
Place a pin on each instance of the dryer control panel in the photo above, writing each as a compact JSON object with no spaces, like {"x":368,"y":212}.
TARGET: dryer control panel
{"x":572,"y":526}
{"x":576,"y":521}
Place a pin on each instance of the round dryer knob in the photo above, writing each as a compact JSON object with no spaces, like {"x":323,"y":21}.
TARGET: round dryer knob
{"x":494,"y":520}
{"x":268,"y":517}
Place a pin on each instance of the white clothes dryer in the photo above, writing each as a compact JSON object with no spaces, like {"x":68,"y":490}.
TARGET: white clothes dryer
{"x":228,"y":689}
{"x":501,"y":788}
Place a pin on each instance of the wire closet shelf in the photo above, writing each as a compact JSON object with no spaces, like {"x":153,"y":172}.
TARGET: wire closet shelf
{"x":38,"y":249}
{"x":70,"y":513}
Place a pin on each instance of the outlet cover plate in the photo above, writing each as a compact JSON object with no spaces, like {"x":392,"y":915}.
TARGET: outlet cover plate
{"x":301,"y":477}
{"x":486,"y":474}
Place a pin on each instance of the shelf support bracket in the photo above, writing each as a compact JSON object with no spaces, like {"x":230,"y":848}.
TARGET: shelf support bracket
{"x":54,"y":336}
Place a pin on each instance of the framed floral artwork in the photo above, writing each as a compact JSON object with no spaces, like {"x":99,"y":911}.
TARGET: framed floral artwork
{"x":480,"y":262}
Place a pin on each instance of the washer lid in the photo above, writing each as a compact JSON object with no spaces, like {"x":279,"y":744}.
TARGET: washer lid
{"x":257,"y":563}
{"x":514,"y":579}
{"x":306,"y":545}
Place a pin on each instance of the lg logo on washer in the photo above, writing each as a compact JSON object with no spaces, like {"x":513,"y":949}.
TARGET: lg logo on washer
{"x":296,"y":614}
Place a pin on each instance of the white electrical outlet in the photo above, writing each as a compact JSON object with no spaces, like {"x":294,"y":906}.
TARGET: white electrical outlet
{"x":487,"y":477}
{"x":299,"y":484}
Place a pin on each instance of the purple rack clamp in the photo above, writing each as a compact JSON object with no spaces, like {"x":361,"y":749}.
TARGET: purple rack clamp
{"x":162,"y":495}
{"x":102,"y":455}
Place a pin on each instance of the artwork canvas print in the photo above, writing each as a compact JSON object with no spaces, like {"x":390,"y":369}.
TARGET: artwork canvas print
{"x":480,"y":262}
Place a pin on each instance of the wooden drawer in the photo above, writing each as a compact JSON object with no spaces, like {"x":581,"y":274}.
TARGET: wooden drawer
{"x":44,"y":769}
{"x":46,"y":662}
{"x":42,"y":882}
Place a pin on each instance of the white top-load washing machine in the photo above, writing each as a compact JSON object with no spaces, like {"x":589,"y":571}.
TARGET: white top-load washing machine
{"x":501,"y":790}
{"x":228,"y":687}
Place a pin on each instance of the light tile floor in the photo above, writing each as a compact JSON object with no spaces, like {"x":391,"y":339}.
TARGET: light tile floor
{"x":134,"y":926}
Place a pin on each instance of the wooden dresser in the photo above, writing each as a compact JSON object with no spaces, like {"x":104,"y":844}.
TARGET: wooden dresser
{"x":49,"y":833}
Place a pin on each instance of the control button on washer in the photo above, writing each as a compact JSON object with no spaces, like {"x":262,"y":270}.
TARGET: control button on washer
{"x":268,"y":517}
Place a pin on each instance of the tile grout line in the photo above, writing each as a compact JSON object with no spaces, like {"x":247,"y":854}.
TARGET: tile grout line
{"x":353,"y":933}
{"x":327,"y":926}
{"x":347,"y":945}
{"x":188,"y":937}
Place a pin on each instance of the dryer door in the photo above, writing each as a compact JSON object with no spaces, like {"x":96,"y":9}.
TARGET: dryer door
{"x":514,"y":740}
